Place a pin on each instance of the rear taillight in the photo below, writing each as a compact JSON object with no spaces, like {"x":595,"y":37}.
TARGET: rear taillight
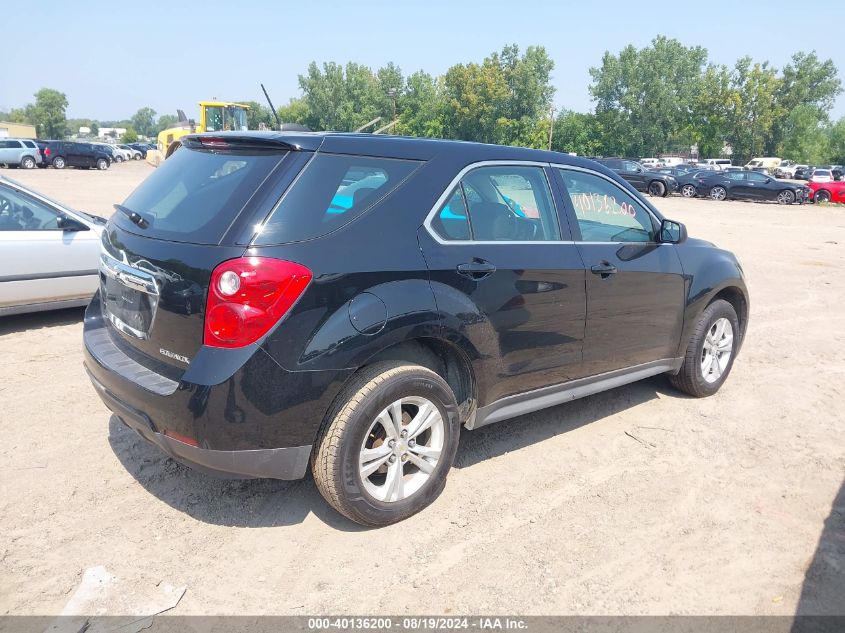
{"x":46,"y":151}
{"x":248,"y":296}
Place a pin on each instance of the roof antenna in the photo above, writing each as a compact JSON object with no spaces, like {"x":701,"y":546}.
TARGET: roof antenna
{"x":272,"y":109}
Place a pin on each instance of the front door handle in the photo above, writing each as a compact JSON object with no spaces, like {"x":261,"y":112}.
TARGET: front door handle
{"x":605,"y":269}
{"x":476,"y":269}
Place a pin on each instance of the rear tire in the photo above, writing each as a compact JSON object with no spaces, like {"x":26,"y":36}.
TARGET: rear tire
{"x":657,"y":188}
{"x":59,"y":162}
{"x":786,"y":197}
{"x":356,"y":468}
{"x":28,"y":162}
{"x":701,"y":374}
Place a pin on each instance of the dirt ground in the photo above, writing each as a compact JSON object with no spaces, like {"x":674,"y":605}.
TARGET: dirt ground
{"x":715,"y":506}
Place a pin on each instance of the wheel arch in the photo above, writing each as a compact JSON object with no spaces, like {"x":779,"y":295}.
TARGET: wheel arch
{"x":711,"y":274}
{"x":738,"y":298}
{"x":443,"y":358}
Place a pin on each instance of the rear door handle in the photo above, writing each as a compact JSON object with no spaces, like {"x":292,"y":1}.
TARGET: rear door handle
{"x":605,"y":269}
{"x":476,"y":269}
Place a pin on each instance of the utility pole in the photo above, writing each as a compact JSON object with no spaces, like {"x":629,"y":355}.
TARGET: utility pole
{"x":551,"y":126}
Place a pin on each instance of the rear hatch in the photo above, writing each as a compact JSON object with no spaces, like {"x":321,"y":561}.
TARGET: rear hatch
{"x":162,"y":244}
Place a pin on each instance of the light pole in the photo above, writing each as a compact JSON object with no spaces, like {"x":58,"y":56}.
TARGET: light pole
{"x":551,"y":126}
{"x":391,"y":92}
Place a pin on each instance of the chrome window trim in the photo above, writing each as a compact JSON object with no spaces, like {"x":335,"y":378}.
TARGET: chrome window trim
{"x":490,"y":163}
{"x":520,"y":163}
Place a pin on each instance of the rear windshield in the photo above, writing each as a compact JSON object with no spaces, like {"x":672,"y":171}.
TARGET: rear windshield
{"x":196,"y":194}
{"x":332,"y":190}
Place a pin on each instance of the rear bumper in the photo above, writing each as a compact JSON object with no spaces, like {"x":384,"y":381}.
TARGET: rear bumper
{"x":273,"y":463}
{"x":248,"y":416}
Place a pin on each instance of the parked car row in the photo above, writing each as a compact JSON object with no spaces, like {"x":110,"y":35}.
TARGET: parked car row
{"x":31,"y":153}
{"x":692,"y":181}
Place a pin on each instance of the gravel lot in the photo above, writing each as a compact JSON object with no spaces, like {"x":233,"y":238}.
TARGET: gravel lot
{"x":720,"y":506}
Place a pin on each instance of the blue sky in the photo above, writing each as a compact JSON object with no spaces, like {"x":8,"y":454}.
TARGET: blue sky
{"x":112,"y":58}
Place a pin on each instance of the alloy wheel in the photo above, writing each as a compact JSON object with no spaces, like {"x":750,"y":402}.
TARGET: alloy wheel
{"x":401,"y":449}
{"x":688,"y":191}
{"x":786,"y":197}
{"x":718,"y":193}
{"x":717,"y":349}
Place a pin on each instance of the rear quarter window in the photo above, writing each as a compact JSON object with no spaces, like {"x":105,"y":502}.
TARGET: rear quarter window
{"x":331,"y":191}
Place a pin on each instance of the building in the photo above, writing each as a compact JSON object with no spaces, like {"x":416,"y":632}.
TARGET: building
{"x":111,"y":132}
{"x":16,"y":130}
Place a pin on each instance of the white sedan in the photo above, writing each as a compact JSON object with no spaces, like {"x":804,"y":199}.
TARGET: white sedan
{"x":49,"y":254}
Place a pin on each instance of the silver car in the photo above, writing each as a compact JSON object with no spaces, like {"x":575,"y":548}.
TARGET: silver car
{"x":19,"y":152}
{"x":49,"y":253}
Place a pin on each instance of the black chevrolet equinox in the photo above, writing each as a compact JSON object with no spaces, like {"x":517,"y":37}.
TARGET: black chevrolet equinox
{"x":270,"y":301}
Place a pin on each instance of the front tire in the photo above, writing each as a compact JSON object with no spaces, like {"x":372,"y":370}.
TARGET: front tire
{"x":387,"y":444}
{"x":657,"y":188}
{"x":822,"y":196}
{"x":689,"y":191}
{"x":711,"y":351}
{"x":102,"y":164}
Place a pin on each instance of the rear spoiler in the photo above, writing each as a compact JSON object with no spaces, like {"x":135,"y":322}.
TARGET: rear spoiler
{"x":295,"y":141}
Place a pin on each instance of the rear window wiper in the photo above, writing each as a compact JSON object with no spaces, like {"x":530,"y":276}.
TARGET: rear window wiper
{"x":134,"y":217}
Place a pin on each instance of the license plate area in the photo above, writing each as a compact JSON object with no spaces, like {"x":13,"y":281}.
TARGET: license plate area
{"x":129,"y":297}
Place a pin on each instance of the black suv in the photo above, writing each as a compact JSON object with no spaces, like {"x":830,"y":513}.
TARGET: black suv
{"x":273,"y":300}
{"x":63,"y":154}
{"x":652,"y":182}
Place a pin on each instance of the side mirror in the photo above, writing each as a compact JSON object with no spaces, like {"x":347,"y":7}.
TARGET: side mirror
{"x":768,"y":180}
{"x":69,"y":224}
{"x":672,"y":232}
{"x":639,"y":170}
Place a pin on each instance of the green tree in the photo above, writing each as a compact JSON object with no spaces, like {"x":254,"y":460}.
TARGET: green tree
{"x":144,"y":121}
{"x":95,"y":128}
{"x":646,"y":98}
{"x":340,"y":98}
{"x":505,"y":99}
{"x":807,"y":83}
{"x":48,"y":113}
{"x":164,"y":122}
{"x":421,"y":107}
{"x":295,"y":111}
{"x":473,"y":101}
{"x":707,"y":126}
{"x":130,"y":136}
{"x":752,"y":109}
{"x":836,"y":142}
{"x":805,"y":140}
{"x":576,"y":132}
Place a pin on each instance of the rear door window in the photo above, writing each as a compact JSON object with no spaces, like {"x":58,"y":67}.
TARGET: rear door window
{"x":196,"y":194}
{"x":332,"y":190}
{"x":506,"y":203}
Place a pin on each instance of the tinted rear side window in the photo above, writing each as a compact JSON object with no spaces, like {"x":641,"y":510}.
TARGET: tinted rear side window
{"x":196,"y":194}
{"x":332,"y":190}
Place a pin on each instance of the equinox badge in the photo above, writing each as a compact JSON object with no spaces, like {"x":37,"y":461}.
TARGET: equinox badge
{"x":169,"y":354}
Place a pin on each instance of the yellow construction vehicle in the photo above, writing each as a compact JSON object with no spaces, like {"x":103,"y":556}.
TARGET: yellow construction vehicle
{"x":215,"y":116}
